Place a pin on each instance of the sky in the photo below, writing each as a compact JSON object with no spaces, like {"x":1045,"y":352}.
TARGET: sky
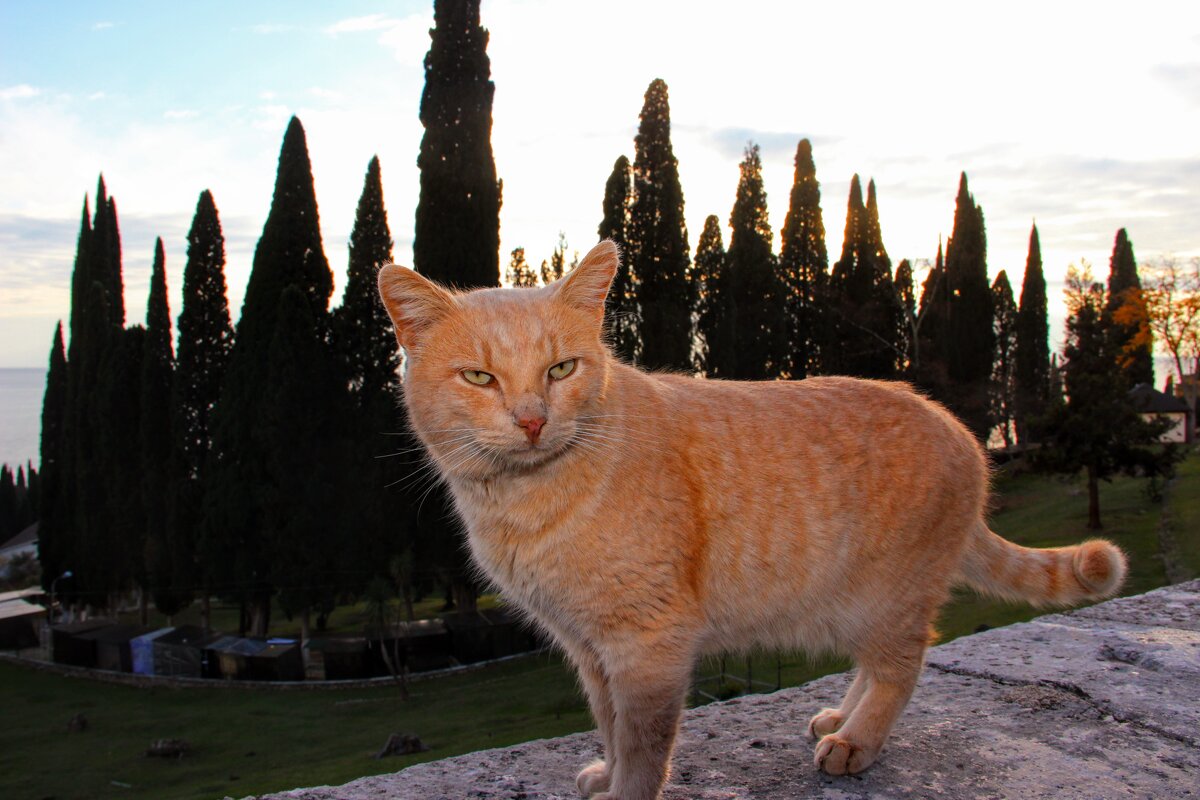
{"x":1082,"y":116}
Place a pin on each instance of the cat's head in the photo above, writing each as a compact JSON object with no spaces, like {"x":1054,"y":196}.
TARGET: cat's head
{"x":502,"y":379}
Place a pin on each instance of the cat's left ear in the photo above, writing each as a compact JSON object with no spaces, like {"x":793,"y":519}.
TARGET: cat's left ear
{"x":586,"y":286}
{"x":412,"y":301}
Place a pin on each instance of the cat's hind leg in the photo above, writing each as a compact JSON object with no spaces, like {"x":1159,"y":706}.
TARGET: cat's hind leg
{"x":890,"y":673}
{"x":828,"y":720}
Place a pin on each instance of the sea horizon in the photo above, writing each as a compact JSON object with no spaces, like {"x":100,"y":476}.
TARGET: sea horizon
{"x":21,"y":391}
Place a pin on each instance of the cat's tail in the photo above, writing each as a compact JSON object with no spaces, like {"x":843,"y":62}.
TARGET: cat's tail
{"x":1056,"y":576}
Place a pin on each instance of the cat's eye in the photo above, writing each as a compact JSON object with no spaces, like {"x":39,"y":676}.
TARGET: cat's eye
{"x":477,"y":377}
{"x":562,"y":369}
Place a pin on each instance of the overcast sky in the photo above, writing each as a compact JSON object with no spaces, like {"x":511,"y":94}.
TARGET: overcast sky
{"x":1083,"y":116}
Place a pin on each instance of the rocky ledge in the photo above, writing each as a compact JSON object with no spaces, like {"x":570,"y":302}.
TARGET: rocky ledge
{"x":1096,"y":703}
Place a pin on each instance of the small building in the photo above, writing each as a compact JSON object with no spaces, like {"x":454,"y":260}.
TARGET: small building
{"x":24,"y":543}
{"x":278,"y":660}
{"x":20,"y":622}
{"x":69,"y":643}
{"x":181,"y":651}
{"x":232,"y":655}
{"x":114,"y":650}
{"x":142,"y":651}
{"x":1153,"y":404}
{"x":336,"y":658}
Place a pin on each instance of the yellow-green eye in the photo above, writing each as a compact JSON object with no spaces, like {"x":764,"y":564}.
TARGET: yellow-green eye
{"x":476,"y":377}
{"x":562,"y":369}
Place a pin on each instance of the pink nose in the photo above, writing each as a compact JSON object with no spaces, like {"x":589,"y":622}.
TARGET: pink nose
{"x":532,"y":426}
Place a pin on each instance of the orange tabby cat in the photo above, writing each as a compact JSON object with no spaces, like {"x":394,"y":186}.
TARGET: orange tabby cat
{"x":645,"y":520}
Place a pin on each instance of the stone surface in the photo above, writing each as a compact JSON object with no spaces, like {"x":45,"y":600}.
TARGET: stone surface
{"x":1097,"y":703}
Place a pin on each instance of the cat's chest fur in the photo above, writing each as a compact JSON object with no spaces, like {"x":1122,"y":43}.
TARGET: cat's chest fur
{"x":525,"y":535}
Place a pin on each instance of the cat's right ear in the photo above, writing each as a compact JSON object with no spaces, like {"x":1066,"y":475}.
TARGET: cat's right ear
{"x":412,"y":301}
{"x":586,"y":286}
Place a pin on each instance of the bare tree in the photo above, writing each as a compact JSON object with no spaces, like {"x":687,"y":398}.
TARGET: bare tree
{"x":1172,"y":292}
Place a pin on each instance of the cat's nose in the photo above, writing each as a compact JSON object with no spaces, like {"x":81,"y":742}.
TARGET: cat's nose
{"x":532,"y":425}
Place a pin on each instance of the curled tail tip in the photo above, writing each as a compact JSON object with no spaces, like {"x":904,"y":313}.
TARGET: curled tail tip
{"x":1100,"y":567}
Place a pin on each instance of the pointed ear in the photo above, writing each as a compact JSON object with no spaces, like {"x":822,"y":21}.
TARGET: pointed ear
{"x":586,"y":286}
{"x":412,"y":301}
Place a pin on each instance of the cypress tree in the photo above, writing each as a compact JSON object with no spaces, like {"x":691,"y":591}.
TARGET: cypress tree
{"x":300,"y":404}
{"x":368,"y":345}
{"x":1033,"y":348}
{"x":863,"y":296}
{"x":1128,"y":308}
{"x":658,"y":246}
{"x":370,"y":360}
{"x":236,"y":542}
{"x":968,"y":341}
{"x":158,"y":366}
{"x":716,"y":346}
{"x":909,"y":321}
{"x":1004,"y":361}
{"x":457,"y":240}
{"x":756,"y":293}
{"x":116,"y":551}
{"x":520,"y":275}
{"x":8,"y":503}
{"x":205,"y":339}
{"x":621,"y":314}
{"x":458,"y":216}
{"x":804,"y":267}
{"x":53,"y":515}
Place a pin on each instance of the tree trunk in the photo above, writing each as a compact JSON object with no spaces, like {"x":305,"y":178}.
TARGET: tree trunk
{"x":463,"y":593}
{"x":1093,"y":484}
{"x":260,"y":616}
{"x":206,"y":612}
{"x":304,"y":639}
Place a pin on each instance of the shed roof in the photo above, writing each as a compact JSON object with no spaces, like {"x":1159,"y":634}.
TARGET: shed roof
{"x":1149,"y":400}
{"x":19,"y":608}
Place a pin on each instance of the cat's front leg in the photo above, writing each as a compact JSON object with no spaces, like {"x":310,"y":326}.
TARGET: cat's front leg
{"x":597,"y":776}
{"x":648,"y":695}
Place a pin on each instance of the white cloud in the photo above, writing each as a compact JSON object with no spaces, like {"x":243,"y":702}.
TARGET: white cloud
{"x":369,"y":22}
{"x":97,"y":96}
{"x":18,"y":92}
{"x":329,"y":95}
{"x":180,"y":114}
{"x":103,"y":26}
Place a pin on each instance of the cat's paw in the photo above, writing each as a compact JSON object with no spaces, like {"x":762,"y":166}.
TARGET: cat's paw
{"x":837,"y":755}
{"x":827,"y":721}
{"x":593,"y":778}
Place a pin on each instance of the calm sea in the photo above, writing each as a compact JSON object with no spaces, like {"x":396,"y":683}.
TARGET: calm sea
{"x":21,"y":393}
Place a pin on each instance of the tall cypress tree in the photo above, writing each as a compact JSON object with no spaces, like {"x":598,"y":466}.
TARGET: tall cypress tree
{"x":863,"y":298}
{"x":1004,"y":361}
{"x":968,"y":341}
{"x":290,"y":253}
{"x":1033,"y":348}
{"x":370,"y":360}
{"x":658,"y":245}
{"x":621,"y":313}
{"x":1128,"y":308}
{"x":457,"y":240}
{"x":300,"y":406}
{"x":158,"y":367}
{"x":53,"y":531}
{"x":928,"y":360}
{"x":756,"y":293}
{"x":909,"y":321}
{"x":458,"y":216}
{"x":804,"y":267}
{"x":716,"y":346}
{"x":205,"y":339}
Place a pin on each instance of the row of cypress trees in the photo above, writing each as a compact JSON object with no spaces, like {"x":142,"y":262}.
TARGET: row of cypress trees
{"x":244,"y":465}
{"x":18,"y":499}
{"x":746,"y":313}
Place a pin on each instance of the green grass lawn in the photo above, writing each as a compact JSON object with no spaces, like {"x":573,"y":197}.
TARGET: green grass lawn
{"x":249,"y":741}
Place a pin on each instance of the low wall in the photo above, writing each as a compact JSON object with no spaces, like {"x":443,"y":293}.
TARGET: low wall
{"x":1103,"y":702}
